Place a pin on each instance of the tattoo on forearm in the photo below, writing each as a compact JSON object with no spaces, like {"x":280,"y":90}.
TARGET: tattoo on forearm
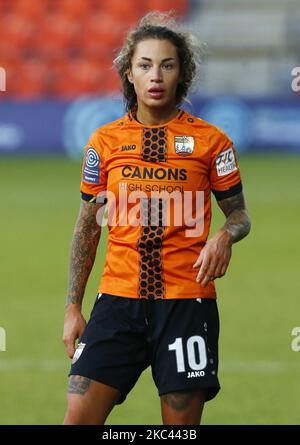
{"x":83,"y":251}
{"x":237,"y":222}
{"x":78,"y":385}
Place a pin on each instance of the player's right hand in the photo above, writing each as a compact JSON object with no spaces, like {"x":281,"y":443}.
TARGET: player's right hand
{"x":74,"y":326}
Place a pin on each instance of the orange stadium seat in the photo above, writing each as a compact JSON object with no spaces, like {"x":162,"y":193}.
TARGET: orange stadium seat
{"x":74,"y":77}
{"x":6,"y":6}
{"x":74,"y":8}
{"x":110,"y":82}
{"x":15,"y":29}
{"x":29,"y":80}
{"x":180,"y":6}
{"x":127,"y":13}
{"x":102,"y":28}
{"x":33,"y":10}
{"x":54,"y":35}
{"x":99,"y":52}
{"x":77,"y":39}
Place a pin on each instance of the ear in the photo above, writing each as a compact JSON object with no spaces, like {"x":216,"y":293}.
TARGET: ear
{"x":129,"y":75}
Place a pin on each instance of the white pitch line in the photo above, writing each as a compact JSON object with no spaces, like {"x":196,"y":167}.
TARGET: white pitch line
{"x":226,"y":367}
{"x":33,"y":365}
{"x":262,"y":366}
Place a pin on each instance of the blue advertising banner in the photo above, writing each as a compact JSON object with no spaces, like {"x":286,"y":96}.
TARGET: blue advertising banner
{"x":60,"y":127}
{"x":31,"y":127}
{"x":264,"y":124}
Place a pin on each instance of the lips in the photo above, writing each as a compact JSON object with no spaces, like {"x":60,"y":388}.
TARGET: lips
{"x":156,"y":92}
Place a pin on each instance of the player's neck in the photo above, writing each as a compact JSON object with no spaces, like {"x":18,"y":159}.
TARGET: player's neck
{"x":152,"y":116}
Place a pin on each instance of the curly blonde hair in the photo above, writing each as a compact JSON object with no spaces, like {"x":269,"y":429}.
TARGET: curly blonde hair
{"x":162,"y":26}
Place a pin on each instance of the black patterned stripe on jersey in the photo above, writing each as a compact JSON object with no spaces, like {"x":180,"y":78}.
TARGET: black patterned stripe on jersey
{"x":154,"y":144}
{"x":149,"y":245}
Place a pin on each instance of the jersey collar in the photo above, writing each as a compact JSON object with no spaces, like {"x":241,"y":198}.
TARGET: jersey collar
{"x":131,"y":118}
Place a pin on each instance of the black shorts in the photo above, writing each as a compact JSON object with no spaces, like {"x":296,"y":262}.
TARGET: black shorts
{"x":178,"y":338}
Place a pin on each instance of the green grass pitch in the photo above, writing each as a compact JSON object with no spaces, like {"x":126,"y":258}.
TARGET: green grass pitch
{"x":258,"y":298}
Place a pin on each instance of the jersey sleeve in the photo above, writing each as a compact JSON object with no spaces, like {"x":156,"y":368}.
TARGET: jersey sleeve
{"x":93,"y":174}
{"x":225,"y":179}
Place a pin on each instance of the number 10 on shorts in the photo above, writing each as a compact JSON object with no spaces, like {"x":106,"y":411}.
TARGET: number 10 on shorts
{"x":192,"y":343}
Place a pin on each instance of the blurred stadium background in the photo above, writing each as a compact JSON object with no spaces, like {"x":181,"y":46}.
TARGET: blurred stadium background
{"x":57,"y":55}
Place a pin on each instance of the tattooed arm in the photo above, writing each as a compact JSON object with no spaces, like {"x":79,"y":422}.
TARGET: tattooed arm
{"x":215,"y":256}
{"x":83,"y":252}
{"x":237,"y":222}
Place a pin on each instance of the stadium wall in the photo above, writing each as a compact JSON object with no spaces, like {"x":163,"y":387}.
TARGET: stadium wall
{"x":63,"y":127}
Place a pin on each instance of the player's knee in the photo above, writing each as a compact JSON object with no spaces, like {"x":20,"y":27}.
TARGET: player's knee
{"x":75,"y":413}
{"x":73,"y":417}
{"x":77,"y":416}
{"x":182,"y":408}
{"x":183,"y":419}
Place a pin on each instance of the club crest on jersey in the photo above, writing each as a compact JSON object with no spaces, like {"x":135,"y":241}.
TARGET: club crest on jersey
{"x":184,"y":145}
{"x":225,"y":162}
{"x":78,"y":352}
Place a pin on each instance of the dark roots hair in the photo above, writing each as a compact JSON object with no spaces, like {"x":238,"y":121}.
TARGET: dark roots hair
{"x":157,"y":25}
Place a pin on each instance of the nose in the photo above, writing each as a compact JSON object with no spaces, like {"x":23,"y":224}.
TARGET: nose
{"x":156,"y":74}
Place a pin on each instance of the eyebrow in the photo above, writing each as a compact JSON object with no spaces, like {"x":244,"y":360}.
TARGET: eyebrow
{"x":164,"y":60}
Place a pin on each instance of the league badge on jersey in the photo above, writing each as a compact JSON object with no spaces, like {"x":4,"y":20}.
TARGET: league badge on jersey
{"x":78,"y":352}
{"x":91,"y":170}
{"x":184,"y":145}
{"x":225,"y":162}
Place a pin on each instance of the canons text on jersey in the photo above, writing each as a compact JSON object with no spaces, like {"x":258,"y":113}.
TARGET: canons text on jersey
{"x":154,"y":173}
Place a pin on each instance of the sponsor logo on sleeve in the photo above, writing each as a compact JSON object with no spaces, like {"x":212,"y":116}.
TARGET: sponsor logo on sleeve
{"x":184,"y":145}
{"x":91,"y":169}
{"x":225,"y":162}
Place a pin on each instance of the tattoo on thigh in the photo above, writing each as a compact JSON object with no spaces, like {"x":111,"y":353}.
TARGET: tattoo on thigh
{"x":78,"y":385}
{"x":178,"y":400}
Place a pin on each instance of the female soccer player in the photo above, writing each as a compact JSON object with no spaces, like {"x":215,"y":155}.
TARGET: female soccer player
{"x":156,"y":304}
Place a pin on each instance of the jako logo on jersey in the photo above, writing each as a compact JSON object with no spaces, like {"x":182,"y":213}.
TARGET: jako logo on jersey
{"x":78,"y":352}
{"x":128,"y":147}
{"x":184,"y":145}
{"x":154,"y":173}
{"x":225,"y":163}
{"x":192,"y":374}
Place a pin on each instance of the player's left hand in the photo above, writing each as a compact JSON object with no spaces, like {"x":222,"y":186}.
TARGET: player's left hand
{"x":214,"y":258}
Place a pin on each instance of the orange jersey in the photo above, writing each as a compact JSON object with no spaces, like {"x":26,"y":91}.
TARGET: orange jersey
{"x":158,"y":182}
